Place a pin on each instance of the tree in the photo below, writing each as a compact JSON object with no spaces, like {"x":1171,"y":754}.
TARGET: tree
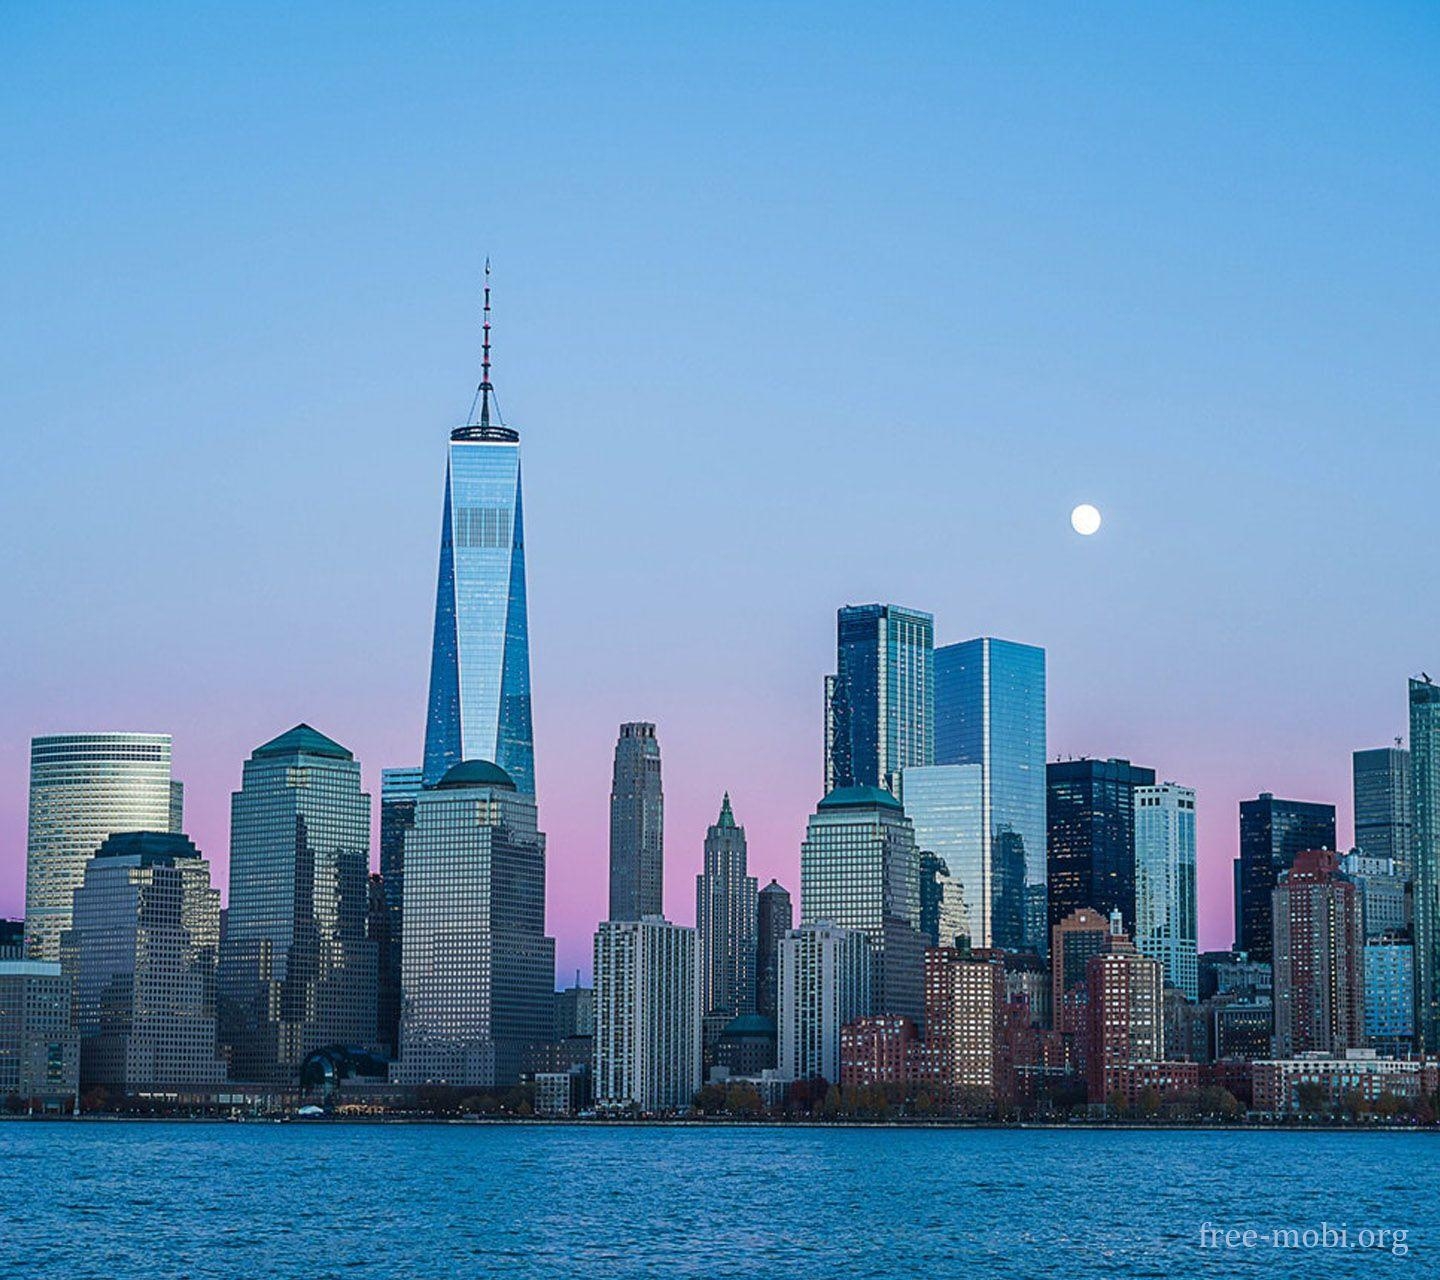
{"x":831,"y":1107}
{"x":1310,"y":1097}
{"x":743,"y":1100}
{"x":1118,"y":1104}
{"x":710,"y":1100}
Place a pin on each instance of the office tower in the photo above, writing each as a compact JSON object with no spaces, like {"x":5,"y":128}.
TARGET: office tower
{"x":39,"y":1049}
{"x":476,"y":969}
{"x":380,"y":921}
{"x":399,"y":789}
{"x":825,"y":975}
{"x":1272,"y":832}
{"x":637,"y":826}
{"x":12,"y":939}
{"x":647,"y":1016}
{"x":860,"y":869}
{"x":1076,"y":940}
{"x":746,"y":1045}
{"x":1383,"y":898}
{"x":575,"y":1011}
{"x":1389,"y":981}
{"x":296,"y":970}
{"x":1319,"y":965}
{"x":990,"y":712}
{"x":880,"y":703}
{"x":965,"y":1009}
{"x":1383,"y":819}
{"x":1241,"y":1026}
{"x":1091,"y":836}
{"x":83,"y":787}
{"x":479,"y":707}
{"x":1225,"y":971}
{"x":143,"y":945}
{"x":774,"y":919}
{"x":1126,"y":1012}
{"x":1425,"y":857}
{"x":944,"y":803}
{"x":1166,"y":915}
{"x":725,"y":920}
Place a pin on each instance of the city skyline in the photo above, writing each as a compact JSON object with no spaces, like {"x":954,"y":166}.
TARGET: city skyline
{"x":1255,"y":326}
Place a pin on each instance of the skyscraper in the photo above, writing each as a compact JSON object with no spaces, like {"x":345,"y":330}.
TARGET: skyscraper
{"x":1272,"y":832}
{"x":1091,"y":836}
{"x":1383,"y":818}
{"x":297,"y":971}
{"x":399,"y":789}
{"x":1082,"y":935}
{"x":1166,"y":915}
{"x":1319,"y":958}
{"x":479,"y":707}
{"x":860,"y":869}
{"x":964,"y":1023}
{"x":990,"y":712}
{"x":945,"y":805}
{"x":637,"y":826}
{"x":477,"y":971}
{"x":647,"y":1016}
{"x":725,"y":921}
{"x":84,"y":787}
{"x":1425,"y":857}
{"x":143,"y":948}
{"x":825,"y":975}
{"x":880,"y":703}
{"x":774,"y":919}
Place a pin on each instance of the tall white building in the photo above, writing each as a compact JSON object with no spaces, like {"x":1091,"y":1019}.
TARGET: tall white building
{"x":1165,"y":904}
{"x":83,"y":788}
{"x":824,"y":983}
{"x":647,"y":1015}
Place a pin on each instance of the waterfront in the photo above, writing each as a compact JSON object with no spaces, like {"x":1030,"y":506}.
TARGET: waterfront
{"x":160,"y":1199}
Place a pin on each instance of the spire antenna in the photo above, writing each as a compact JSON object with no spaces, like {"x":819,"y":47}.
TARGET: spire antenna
{"x":485,"y":387}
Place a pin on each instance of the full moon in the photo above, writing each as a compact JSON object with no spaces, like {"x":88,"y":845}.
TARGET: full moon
{"x":1085,"y":519}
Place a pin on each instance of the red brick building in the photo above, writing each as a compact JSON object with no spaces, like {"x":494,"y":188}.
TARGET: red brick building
{"x":884,"y":1049}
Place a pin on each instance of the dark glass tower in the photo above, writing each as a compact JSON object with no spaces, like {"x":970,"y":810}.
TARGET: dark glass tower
{"x":725,"y":921}
{"x":398,"y":791}
{"x":479,"y":705}
{"x":1383,"y":819}
{"x":1272,"y":832}
{"x":774,"y":919}
{"x":637,"y":826}
{"x":1091,"y":836}
{"x":1425,"y":794}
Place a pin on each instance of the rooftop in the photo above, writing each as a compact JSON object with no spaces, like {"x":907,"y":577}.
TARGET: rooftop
{"x":302,"y":740}
{"x":475,"y":773}
{"x":859,"y":798}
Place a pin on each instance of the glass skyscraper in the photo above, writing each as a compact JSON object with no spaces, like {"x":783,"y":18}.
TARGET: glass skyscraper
{"x":990,"y":712}
{"x":1272,"y":832}
{"x":944,"y":803}
{"x":83,"y":788}
{"x":1166,"y":916}
{"x":1382,"y":804}
{"x":1425,"y":795}
{"x":637,"y":826}
{"x":480,"y":663}
{"x":880,"y":703}
{"x":398,"y":791}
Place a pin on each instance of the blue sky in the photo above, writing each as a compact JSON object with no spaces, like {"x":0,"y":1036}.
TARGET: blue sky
{"x":795,"y":305}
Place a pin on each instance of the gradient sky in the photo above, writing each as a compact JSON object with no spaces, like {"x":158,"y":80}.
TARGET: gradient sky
{"x":795,"y":305}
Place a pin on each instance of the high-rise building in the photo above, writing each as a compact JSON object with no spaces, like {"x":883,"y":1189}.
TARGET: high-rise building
{"x":825,"y":976}
{"x":965,"y":1007}
{"x":1318,"y":957}
{"x":84,"y":787}
{"x":297,"y":972}
{"x":1166,"y":914}
{"x":725,"y":921}
{"x":990,"y":712}
{"x":880,"y":703}
{"x":1126,"y":1013}
{"x":477,"y":971}
{"x":1390,"y":993}
{"x":143,"y":947}
{"x":12,"y":939}
{"x":637,"y":826}
{"x":1272,"y":832}
{"x":574,"y":1011}
{"x":479,"y":707}
{"x":774,"y":919}
{"x":1091,"y":836}
{"x":39,"y":1050}
{"x":860,"y":869}
{"x":944,"y":803}
{"x":1384,"y":901}
{"x":1383,"y":818}
{"x":647,"y":1016}
{"x":399,"y":789}
{"x":1425,"y":857}
{"x":1082,"y":935}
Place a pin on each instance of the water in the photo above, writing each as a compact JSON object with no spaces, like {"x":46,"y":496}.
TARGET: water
{"x":140,"y":1200}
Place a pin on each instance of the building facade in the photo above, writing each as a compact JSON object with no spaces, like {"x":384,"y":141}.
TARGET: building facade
{"x":959,"y":890}
{"x":1126,"y":1014}
{"x":1384,"y":896}
{"x":826,"y":974}
{"x":143,"y":949}
{"x":399,"y":789}
{"x":1272,"y":832}
{"x":880,"y":703}
{"x":1425,"y":852}
{"x":990,"y":712}
{"x":1390,"y":993}
{"x":297,"y":971}
{"x":725,"y":922}
{"x":637,"y":826}
{"x":965,"y":1013}
{"x":774,"y":918}
{"x":860,"y":869}
{"x":1082,"y":935}
{"x":647,"y":1016}
{"x":83,"y":788}
{"x":39,"y":1049}
{"x":477,"y":972}
{"x":1166,"y":909}
{"x":1384,"y":822}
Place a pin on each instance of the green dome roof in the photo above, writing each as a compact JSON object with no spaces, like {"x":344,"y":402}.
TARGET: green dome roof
{"x":475,"y":773}
{"x":748,"y":1024}
{"x":303,"y":740}
{"x":859,"y":798}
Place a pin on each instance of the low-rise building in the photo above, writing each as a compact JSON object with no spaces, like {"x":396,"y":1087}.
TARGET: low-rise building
{"x":1362,"y":1074}
{"x":39,"y":1049}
